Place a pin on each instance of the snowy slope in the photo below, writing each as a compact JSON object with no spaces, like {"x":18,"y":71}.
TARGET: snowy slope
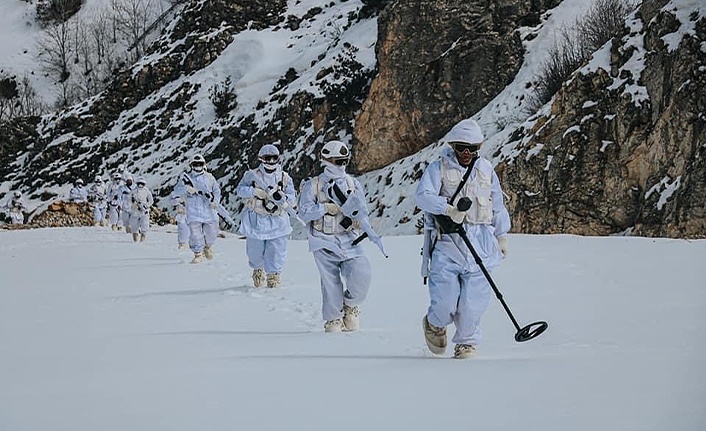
{"x":255,"y":60}
{"x":113,"y":335}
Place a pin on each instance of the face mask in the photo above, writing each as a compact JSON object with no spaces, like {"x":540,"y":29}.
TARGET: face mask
{"x":270,"y":167}
{"x":198,"y":168}
{"x":333,"y":171}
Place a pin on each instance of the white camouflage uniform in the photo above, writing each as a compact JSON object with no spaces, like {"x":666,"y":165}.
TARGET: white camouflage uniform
{"x":459,"y":292}
{"x":265,"y":223}
{"x":343,"y":267}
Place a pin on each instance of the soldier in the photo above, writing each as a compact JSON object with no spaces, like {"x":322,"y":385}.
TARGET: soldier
{"x":97,"y":196}
{"x":15,"y":208}
{"x":78,"y":193}
{"x":333,"y":226}
{"x":202,"y":194}
{"x":265,"y":220}
{"x":114,"y":202}
{"x":459,"y":292}
{"x":141,"y":201}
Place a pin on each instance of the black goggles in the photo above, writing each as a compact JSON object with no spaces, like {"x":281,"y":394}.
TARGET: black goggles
{"x":460,"y":147}
{"x":271,"y":160}
{"x":197,"y":164}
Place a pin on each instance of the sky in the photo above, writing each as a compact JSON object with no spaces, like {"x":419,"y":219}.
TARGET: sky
{"x":97,"y":332}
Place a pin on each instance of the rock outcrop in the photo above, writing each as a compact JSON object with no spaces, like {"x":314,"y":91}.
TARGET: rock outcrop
{"x":438,"y":63}
{"x":622,"y":148}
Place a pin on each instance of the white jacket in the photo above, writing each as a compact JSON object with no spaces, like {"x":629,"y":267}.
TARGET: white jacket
{"x":432,"y":198}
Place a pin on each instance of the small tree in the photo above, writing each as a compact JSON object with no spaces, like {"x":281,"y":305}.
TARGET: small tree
{"x":132,"y":18}
{"x":18,"y":99}
{"x":223,"y":98}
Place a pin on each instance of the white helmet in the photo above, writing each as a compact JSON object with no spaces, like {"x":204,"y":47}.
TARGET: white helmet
{"x":198,"y":163}
{"x":98,"y":179}
{"x":269,"y":155}
{"x":466,"y":134}
{"x":78,"y":181}
{"x":18,"y":194}
{"x":141,"y":181}
{"x":336,"y":152}
{"x":117,"y":176}
{"x":128,"y":178}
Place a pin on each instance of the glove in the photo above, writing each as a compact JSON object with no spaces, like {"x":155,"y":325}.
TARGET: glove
{"x":331,"y":208}
{"x":190,"y":190}
{"x":259,"y":193}
{"x":455,"y":215}
{"x":502,"y":243}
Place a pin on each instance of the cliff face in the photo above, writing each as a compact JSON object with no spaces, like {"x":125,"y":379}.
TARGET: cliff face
{"x":438,"y":63}
{"x":623,"y":145}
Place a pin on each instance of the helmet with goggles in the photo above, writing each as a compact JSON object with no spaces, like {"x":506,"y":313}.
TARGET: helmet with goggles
{"x":269,"y":155}
{"x":336,"y":152}
{"x":465,"y":136}
{"x":198,"y":163}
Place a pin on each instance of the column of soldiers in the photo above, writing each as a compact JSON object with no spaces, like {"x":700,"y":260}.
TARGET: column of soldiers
{"x":333,"y":207}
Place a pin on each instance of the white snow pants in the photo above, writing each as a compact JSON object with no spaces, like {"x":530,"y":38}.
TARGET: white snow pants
{"x":16,"y":217}
{"x":202,"y":234}
{"x":113,"y":215}
{"x":333,"y":272}
{"x":183,"y":231}
{"x":267,"y":253}
{"x":139,"y":222}
{"x":125,"y":218}
{"x":457,"y":296}
{"x":99,"y":213}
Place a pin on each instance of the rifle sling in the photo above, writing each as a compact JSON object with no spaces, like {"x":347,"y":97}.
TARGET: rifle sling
{"x":458,"y":190}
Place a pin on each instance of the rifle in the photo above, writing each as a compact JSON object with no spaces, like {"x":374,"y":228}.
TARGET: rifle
{"x":346,"y":222}
{"x":220,"y":209}
{"x":277,"y":195}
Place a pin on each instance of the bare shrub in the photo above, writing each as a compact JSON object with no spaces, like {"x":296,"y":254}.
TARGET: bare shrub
{"x":602,"y":21}
{"x":18,"y":99}
{"x":574,"y":44}
{"x":132,"y":19}
{"x":51,"y":12}
{"x":56,"y":46}
{"x":223,"y":98}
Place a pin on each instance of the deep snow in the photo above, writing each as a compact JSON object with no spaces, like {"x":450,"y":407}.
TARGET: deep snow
{"x":98,"y":333}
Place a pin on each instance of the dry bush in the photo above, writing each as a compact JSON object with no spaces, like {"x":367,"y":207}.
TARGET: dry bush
{"x":574,"y":44}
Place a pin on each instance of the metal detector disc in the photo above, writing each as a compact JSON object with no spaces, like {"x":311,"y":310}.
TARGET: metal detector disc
{"x":531,"y":331}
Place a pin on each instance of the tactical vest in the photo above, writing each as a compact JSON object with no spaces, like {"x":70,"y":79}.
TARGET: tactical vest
{"x":330,"y":224}
{"x":478,"y":189}
{"x":268,"y":207}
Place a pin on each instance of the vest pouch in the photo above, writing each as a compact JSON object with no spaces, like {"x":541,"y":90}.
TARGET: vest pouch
{"x":270,"y":207}
{"x":482,"y":210}
{"x":329,"y":225}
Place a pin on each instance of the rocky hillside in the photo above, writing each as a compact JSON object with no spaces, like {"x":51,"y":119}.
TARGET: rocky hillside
{"x":618,"y":149}
{"x":622,"y":147}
